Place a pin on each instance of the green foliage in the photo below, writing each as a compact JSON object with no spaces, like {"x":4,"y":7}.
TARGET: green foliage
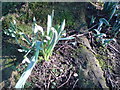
{"x":41,"y":9}
{"x":11,"y":31}
{"x":101,"y":22}
{"x":32,"y":62}
{"x":52,"y":36}
{"x":48,"y":39}
{"x":10,"y":7}
{"x":116,"y":27}
{"x":110,"y":9}
{"x":68,"y":17}
{"x":100,"y":36}
{"x":92,"y":20}
{"x":27,"y":10}
{"x":107,"y":41}
{"x":38,"y":11}
{"x":101,"y":59}
{"x":7,"y":20}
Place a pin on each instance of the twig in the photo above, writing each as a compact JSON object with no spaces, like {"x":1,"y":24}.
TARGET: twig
{"x":114,"y":48}
{"x":66,"y":81}
{"x":44,"y":77}
{"x":62,"y":46}
{"x":92,"y":26}
{"x":110,"y":76}
{"x":53,"y":74}
{"x":70,"y":47}
{"x":75,"y":83}
{"x":49,"y":81}
{"x":79,"y":35}
{"x":54,"y":68}
{"x":37,"y":85}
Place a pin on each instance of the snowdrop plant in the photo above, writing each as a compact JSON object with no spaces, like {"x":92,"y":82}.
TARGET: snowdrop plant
{"x":116,"y":28}
{"x":51,"y":37}
{"x":105,"y":42}
{"x":48,"y":39}
{"x":100,"y":37}
{"x":101,"y":22}
{"x":110,"y":8}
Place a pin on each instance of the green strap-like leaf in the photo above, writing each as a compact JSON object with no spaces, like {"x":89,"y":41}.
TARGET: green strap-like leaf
{"x":61,"y":27}
{"x":100,"y":35}
{"x":103,"y":20}
{"x":112,"y":13}
{"x":26,"y":38}
{"x":49,"y":24}
{"x":67,"y":38}
{"x":92,"y":20}
{"x":52,"y":15}
{"x":53,"y":42}
{"x":12,"y":26}
{"x":26,"y":74}
{"x":98,"y":32}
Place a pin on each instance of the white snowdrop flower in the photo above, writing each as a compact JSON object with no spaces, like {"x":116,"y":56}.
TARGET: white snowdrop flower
{"x":34,"y":19}
{"x":26,"y":60}
{"x":53,"y":29}
{"x":35,"y":29}
{"x":48,"y":38}
{"x":14,"y":32}
{"x":118,"y":6}
{"x":10,"y":30}
{"x":20,"y":50}
{"x":38,"y":28}
{"x":45,"y":41}
{"x":14,"y":21}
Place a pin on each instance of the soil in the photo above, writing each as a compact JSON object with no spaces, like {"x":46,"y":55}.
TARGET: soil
{"x":63,"y":69}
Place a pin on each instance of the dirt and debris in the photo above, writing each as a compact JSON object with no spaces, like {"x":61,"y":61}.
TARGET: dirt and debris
{"x":66,"y":68}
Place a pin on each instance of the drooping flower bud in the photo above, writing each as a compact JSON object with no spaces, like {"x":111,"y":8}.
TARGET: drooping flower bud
{"x":26,"y":60}
{"x":14,"y":21}
{"x":45,"y":41}
{"x":38,"y":28}
{"x":47,"y":37}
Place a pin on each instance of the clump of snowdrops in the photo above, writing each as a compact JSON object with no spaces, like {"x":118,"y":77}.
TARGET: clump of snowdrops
{"x":45,"y":46}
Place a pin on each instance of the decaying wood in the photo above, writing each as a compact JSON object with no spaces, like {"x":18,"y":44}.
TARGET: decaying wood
{"x":90,"y":65}
{"x":90,"y":69}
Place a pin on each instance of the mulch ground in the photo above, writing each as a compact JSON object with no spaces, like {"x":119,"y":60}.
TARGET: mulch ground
{"x":62,"y":71}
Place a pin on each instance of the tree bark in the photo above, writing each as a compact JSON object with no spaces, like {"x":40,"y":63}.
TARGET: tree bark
{"x":89,"y":65}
